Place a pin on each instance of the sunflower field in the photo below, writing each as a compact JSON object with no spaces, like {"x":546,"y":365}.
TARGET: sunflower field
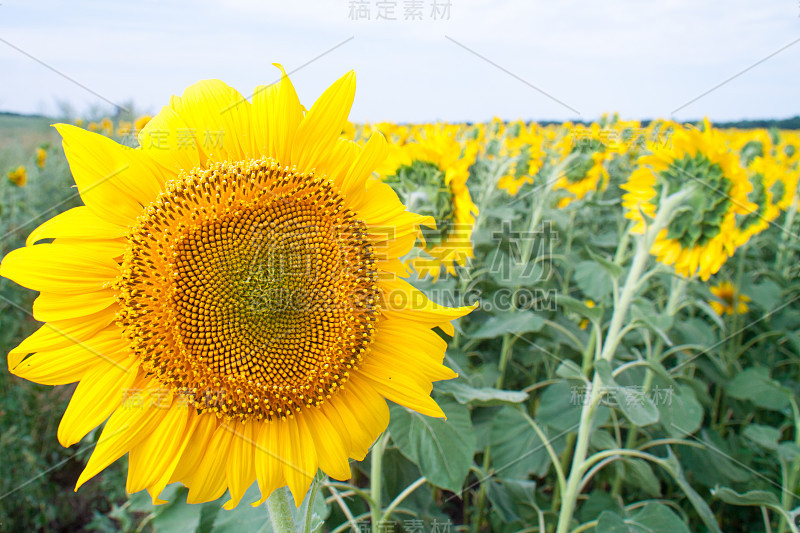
{"x":579,"y":327}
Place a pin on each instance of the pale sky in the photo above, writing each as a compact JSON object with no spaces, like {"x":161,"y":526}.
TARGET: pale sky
{"x":642,"y":59}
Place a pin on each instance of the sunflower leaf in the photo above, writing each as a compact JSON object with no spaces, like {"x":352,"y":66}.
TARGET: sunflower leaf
{"x":442,"y":449}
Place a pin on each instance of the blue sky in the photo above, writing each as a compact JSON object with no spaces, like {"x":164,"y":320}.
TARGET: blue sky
{"x":531,"y":60}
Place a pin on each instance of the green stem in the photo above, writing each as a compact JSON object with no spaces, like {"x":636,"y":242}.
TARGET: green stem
{"x":477,"y":516}
{"x":315,"y":485}
{"x":610,"y":344}
{"x":786,"y":235}
{"x":402,"y":496}
{"x":505,"y":357}
{"x":375,"y":478}
{"x":279,"y":508}
{"x":678,"y":287}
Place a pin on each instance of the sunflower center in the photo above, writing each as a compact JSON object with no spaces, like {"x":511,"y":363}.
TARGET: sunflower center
{"x":583,"y":161}
{"x":708,"y":205}
{"x":249,"y":289}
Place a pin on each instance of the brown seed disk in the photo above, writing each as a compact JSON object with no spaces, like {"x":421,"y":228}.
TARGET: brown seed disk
{"x":250,"y":289}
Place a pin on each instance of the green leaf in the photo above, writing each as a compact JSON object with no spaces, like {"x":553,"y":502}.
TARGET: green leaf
{"x":517,"y":450}
{"x":644,"y":311}
{"x":611,"y":522}
{"x":613,"y":269}
{"x":442,"y":449}
{"x":766,"y":295}
{"x":244,"y":517}
{"x":681,"y":413}
{"x":657,"y":518}
{"x":572,"y":304}
{"x":597,"y":502}
{"x":560,"y":407}
{"x":632,"y":401}
{"x":765,"y":436}
{"x":673,"y":466}
{"x":570,"y":370}
{"x":602,"y":440}
{"x":639,"y":473}
{"x":652,"y":518}
{"x":465,"y":394}
{"x":177,"y":516}
{"x":593,"y":280}
{"x":753,"y":497}
{"x":501,"y":500}
{"x":788,"y":451}
{"x":755,"y":384}
{"x":638,"y":408}
{"x":515,"y":322}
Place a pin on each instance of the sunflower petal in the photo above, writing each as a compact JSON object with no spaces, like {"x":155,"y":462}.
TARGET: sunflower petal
{"x":59,"y":268}
{"x":127,"y":427}
{"x":96,"y":397}
{"x":323,"y":123}
{"x":77,"y":223}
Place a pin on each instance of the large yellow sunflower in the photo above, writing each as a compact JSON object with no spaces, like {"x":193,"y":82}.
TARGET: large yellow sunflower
{"x":435,"y":170}
{"x":227,"y":299}
{"x":702,"y":235}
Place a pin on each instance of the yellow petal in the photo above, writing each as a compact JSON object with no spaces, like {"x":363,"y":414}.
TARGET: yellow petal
{"x":220,"y":117}
{"x":363,"y":412}
{"x":61,"y":334}
{"x":284,"y":116}
{"x":149,"y":460}
{"x":241,"y":468}
{"x":208,"y":482}
{"x":193,"y":451}
{"x":264,"y":97}
{"x":170,"y":143}
{"x":400,"y":389}
{"x":405,"y":302}
{"x":114,"y":181}
{"x":126,"y":428}
{"x":77,"y":223}
{"x":59,"y":268}
{"x":192,"y":423}
{"x":372,"y":154}
{"x":323,"y":123}
{"x":331,"y":449}
{"x":299,"y":457}
{"x":55,"y":307}
{"x":70,"y":364}
{"x":269,"y":468}
{"x":96,"y":397}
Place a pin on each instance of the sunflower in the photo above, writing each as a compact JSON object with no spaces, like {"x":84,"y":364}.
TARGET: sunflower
{"x":434,"y":173}
{"x":787,"y":159}
{"x":586,"y":172}
{"x":107,"y":126}
{"x":18,"y":176}
{"x":764,"y":174}
{"x":41,"y":157}
{"x":729,"y":301}
{"x":527,"y":153}
{"x":701,"y":237}
{"x":141,"y":122}
{"x":230,"y":304}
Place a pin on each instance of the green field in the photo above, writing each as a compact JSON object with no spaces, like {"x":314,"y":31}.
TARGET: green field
{"x":697,"y":427}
